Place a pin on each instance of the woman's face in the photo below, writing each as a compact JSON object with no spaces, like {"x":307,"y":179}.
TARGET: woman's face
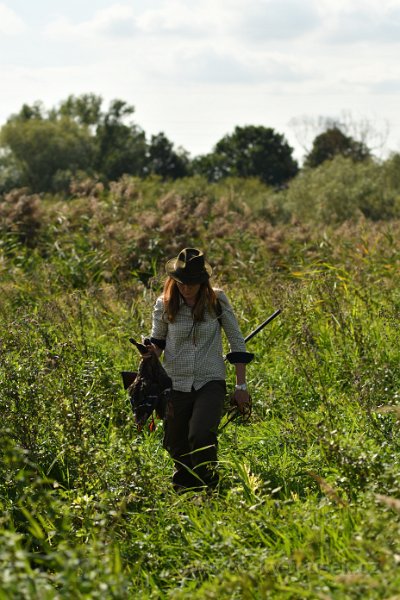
{"x":188,"y":292}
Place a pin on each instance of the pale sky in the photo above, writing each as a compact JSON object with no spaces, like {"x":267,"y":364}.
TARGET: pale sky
{"x":195,"y":69}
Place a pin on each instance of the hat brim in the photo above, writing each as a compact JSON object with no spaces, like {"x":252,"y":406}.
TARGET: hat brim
{"x":185,"y":278}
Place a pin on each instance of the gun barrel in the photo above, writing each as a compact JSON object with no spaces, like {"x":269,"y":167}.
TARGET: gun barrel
{"x":270,"y":318}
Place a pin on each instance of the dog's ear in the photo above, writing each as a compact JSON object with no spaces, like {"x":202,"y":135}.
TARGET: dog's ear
{"x":141,"y":347}
{"x":128,"y":377}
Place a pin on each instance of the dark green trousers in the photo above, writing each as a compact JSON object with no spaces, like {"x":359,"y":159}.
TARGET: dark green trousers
{"x":191,"y":425}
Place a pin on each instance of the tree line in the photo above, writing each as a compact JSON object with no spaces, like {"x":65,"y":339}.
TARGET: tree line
{"x":45,"y":150}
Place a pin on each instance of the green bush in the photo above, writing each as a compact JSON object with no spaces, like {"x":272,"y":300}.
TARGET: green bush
{"x":340,"y":189}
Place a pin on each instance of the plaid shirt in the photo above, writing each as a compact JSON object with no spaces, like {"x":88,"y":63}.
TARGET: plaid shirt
{"x":193,"y":353}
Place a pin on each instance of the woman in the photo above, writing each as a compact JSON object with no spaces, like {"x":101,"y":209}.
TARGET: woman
{"x":187,"y":322}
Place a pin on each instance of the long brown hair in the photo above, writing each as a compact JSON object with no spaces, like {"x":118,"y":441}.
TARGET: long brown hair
{"x":206,"y":298}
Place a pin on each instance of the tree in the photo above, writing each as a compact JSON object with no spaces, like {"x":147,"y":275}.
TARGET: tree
{"x":10,"y":174}
{"x":163,"y":160}
{"x":84,"y":109}
{"x":121,"y":146}
{"x":250,"y":151}
{"x":373,"y":134}
{"x":39,"y":147}
{"x":48,"y":148}
{"x":332,"y":142}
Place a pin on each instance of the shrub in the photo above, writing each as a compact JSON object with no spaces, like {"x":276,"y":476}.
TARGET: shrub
{"x":21,"y":216}
{"x":339,"y":190}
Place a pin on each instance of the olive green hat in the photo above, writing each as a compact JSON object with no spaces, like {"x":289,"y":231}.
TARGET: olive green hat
{"x":189,"y":267}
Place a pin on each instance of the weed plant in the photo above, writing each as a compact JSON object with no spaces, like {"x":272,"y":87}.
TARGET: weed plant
{"x":308,"y":504}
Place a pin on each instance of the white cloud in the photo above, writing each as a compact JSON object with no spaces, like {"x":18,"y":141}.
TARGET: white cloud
{"x":10,"y":22}
{"x":194,"y":44}
{"x":208,"y":66}
{"x":366,"y":21}
{"x":386,"y":86}
{"x":173,"y":18}
{"x":178,"y":18}
{"x":232,"y":41}
{"x":205,"y":19}
{"x":115,"y":21}
{"x":270,"y":20}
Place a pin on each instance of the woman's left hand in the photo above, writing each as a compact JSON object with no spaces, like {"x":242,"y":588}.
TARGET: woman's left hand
{"x":242,"y":399}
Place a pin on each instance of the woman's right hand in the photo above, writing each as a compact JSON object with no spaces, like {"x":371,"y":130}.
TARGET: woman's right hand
{"x":242,"y":400}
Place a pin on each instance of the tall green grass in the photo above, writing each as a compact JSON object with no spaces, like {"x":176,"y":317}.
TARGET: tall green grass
{"x":308,"y":505}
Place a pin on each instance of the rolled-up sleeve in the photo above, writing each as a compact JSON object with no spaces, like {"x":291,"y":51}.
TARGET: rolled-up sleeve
{"x":230,"y":325}
{"x":159,"y":328}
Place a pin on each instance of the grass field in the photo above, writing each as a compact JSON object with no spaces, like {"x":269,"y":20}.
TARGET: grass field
{"x":309,"y":502}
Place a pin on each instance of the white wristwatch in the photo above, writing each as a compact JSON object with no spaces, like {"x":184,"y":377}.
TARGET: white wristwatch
{"x":241,"y":386}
